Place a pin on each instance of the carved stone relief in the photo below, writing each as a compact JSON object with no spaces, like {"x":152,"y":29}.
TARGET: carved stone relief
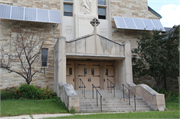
{"x":86,"y":6}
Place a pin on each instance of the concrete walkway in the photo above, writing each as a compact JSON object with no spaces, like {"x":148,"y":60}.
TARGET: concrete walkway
{"x":40,"y":116}
{"x":37,"y":116}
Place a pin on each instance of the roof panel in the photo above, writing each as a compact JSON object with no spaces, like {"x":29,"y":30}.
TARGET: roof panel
{"x":5,"y":11}
{"x":158,"y":25}
{"x":130,"y":23}
{"x":139,"y":23}
{"x":120,"y":22}
{"x":55,"y":16}
{"x":42,"y":15}
{"x":30,"y":14}
{"x":17,"y":13}
{"x":148,"y":24}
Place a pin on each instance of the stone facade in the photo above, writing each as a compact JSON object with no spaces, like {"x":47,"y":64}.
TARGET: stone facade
{"x":122,"y":8}
{"x":8,"y":29}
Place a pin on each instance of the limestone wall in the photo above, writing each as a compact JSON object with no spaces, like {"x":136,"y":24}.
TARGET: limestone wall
{"x":131,"y":8}
{"x":8,"y":31}
{"x":42,"y":4}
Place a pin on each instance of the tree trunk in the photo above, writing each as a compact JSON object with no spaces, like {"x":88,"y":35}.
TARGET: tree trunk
{"x":165,"y":86}
{"x":158,"y":86}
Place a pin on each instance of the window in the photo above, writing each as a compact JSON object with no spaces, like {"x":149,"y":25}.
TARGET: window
{"x":44,"y":56}
{"x":92,"y":71}
{"x":106,"y":72}
{"x":102,"y":9}
{"x":68,"y":7}
{"x":70,"y":71}
{"x":85,"y":71}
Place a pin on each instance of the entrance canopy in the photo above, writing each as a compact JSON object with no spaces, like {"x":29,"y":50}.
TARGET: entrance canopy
{"x":138,"y":24}
{"x":94,"y":45}
{"x":29,"y":14}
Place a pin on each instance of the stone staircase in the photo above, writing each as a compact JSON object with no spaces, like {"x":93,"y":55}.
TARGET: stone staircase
{"x":109,"y":102}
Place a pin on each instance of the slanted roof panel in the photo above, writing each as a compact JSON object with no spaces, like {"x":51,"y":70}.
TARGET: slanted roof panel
{"x":5,"y":11}
{"x":138,"y":24}
{"x":29,"y":14}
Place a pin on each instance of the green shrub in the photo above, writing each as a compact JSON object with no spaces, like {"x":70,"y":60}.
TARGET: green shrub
{"x":30,"y":91}
{"x":72,"y":110}
{"x":48,"y":93}
{"x":9,"y":93}
{"x":170,"y":95}
{"x":25,"y":91}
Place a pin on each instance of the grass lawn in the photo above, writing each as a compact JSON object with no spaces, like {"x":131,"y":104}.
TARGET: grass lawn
{"x":135,"y":115}
{"x":172,"y":111}
{"x":50,"y":106}
{"x":23,"y":107}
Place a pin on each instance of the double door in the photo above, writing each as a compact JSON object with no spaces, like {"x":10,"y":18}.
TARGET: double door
{"x":89,"y":73}
{"x":108,"y":70}
{"x":70,"y":73}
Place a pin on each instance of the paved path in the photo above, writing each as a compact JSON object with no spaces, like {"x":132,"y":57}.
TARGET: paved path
{"x":37,"y":116}
{"x":40,"y":116}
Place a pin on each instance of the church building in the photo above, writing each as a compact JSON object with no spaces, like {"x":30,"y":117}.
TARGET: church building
{"x":88,"y":41}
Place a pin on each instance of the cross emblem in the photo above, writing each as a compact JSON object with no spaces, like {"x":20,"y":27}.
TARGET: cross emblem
{"x":95,"y":22}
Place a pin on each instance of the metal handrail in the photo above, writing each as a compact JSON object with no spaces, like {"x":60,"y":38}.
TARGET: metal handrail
{"x":82,"y":87}
{"x":129,"y":95}
{"x":110,"y":86}
{"x":97,"y":95}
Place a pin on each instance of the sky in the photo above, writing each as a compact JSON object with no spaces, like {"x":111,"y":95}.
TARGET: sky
{"x":168,"y":9}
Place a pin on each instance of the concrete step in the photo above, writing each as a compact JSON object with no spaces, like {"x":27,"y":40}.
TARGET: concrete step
{"x":112,"y":109}
{"x":110,"y":103}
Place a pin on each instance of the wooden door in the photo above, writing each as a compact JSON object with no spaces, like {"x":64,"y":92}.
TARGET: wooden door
{"x":84,"y":74}
{"x":94,"y":75}
{"x":108,"y":70}
{"x":70,"y":73}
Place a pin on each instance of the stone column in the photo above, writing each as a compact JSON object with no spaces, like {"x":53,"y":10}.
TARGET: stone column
{"x":61,"y":62}
{"x":128,"y":62}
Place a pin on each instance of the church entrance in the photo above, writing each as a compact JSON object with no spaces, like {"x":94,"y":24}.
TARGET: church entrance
{"x":90,"y":72}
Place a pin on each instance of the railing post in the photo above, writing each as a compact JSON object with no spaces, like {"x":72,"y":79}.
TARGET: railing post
{"x":84,"y":91}
{"x":135,"y":102}
{"x":97,"y":97}
{"x":92,"y":91}
{"x":111,"y":87}
{"x":107,"y":85}
{"x":123,"y":90}
{"x":129,"y":96}
{"x":101,"y":103}
{"x":114,"y":90}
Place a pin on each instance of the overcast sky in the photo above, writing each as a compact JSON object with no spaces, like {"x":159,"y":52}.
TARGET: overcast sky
{"x":168,"y":9}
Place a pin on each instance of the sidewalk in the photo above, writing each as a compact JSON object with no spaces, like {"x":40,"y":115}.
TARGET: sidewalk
{"x":37,"y":116}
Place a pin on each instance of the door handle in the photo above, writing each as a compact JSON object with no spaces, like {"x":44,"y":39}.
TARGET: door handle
{"x":73,"y":79}
{"x":104,"y":80}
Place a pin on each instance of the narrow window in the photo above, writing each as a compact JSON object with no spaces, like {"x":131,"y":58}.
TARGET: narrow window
{"x":85,"y":71}
{"x":92,"y":71}
{"x":102,"y":9}
{"x":68,"y":7}
{"x":106,"y":72}
{"x":70,"y":71}
{"x":44,"y":56}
